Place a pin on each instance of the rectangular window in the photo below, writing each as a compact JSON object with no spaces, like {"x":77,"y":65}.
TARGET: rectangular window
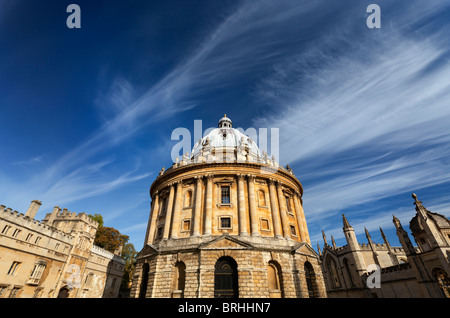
{"x":293,"y":232}
{"x":14,"y":267}
{"x":16,"y":233}
{"x":225,"y":223}
{"x":225,"y":194}
{"x":264,"y":224}
{"x":2,"y":290}
{"x":14,"y":292}
{"x":288,"y":205}
{"x":56,"y":246}
{"x":36,"y":274}
{"x":162,"y":207}
{"x":29,"y":236}
{"x":38,"y":292}
{"x":6,"y":229}
{"x":186,"y":225}
{"x":88,"y":280}
{"x":159,"y":232}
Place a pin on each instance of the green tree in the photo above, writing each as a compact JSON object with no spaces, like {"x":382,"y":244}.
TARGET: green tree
{"x":129,"y":255}
{"x":98,"y":218}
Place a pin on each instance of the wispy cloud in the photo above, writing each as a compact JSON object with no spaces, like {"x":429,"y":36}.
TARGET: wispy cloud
{"x":371,"y":119}
{"x":29,"y":162}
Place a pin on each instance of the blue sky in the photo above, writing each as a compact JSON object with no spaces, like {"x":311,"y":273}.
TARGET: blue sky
{"x":363,"y":114}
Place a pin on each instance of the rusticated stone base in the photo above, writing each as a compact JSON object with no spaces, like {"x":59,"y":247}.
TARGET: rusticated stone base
{"x":252,"y":255}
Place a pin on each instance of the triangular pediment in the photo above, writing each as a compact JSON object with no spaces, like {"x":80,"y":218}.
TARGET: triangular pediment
{"x":225,"y":242}
{"x":148,"y":249}
{"x":306,"y":249}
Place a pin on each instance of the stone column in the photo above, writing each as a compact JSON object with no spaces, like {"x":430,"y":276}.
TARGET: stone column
{"x":283,"y":211}
{"x":274,"y":209}
{"x":168,"y":214}
{"x":299,"y":218}
{"x":152,"y":220}
{"x":198,"y":206}
{"x":241,"y":211}
{"x":252,"y":206}
{"x":208,"y":205}
{"x":303,"y":220}
{"x":176,"y":213}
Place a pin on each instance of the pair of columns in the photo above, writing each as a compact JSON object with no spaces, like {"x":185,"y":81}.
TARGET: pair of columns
{"x":278,"y":209}
{"x":279,"y":213}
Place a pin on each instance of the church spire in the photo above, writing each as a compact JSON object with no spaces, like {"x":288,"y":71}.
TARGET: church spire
{"x":324,"y":238}
{"x":403,"y":237}
{"x":368,"y":236}
{"x":346,"y":224}
{"x":333,"y":242}
{"x":385,"y":239}
{"x":420,"y":208}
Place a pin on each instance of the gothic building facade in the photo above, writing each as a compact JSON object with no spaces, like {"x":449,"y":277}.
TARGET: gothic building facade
{"x":420,"y":271}
{"x":227,"y":221}
{"x":54,"y":257}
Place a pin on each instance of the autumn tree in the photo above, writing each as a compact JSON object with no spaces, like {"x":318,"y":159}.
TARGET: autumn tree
{"x":111,"y":239}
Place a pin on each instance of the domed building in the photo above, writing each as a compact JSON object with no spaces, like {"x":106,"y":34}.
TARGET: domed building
{"x":227,"y":221}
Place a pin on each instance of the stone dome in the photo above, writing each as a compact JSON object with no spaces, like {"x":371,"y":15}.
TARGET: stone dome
{"x":226,"y":138}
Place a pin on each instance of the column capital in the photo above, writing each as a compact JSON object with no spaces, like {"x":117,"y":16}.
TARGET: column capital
{"x":209,"y":176}
{"x":251,"y":177}
{"x":240,"y":176}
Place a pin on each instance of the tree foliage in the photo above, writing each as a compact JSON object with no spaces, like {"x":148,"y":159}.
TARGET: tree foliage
{"x":109,"y":238}
{"x":98,"y":218}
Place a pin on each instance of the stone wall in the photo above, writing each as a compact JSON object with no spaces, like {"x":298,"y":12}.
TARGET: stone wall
{"x":252,"y":267}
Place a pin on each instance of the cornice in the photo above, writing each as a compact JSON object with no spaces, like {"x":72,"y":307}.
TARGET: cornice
{"x":173,"y":172}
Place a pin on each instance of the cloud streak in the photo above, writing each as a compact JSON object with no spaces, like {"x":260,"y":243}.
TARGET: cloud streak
{"x":364,"y":117}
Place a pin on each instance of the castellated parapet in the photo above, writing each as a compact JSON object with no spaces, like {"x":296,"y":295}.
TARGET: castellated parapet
{"x":55,"y":257}
{"x":9,"y":215}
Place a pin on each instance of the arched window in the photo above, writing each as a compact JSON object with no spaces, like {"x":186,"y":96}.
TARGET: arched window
{"x":349,"y":273}
{"x":162,"y":206}
{"x":226,"y":278}
{"x":179,"y":278}
{"x":288,"y":204}
{"x":188,"y":199}
{"x":444,"y":283}
{"x":333,"y":273}
{"x":310,"y":277}
{"x":144,"y":280}
{"x":274,"y":280}
{"x":36,"y":273}
{"x":262,"y":198}
{"x":88,"y":280}
{"x":64,"y":292}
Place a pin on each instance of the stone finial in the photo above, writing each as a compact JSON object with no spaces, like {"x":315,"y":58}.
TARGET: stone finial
{"x":345,"y":221}
{"x":324,"y":238}
{"x":396,"y":221}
